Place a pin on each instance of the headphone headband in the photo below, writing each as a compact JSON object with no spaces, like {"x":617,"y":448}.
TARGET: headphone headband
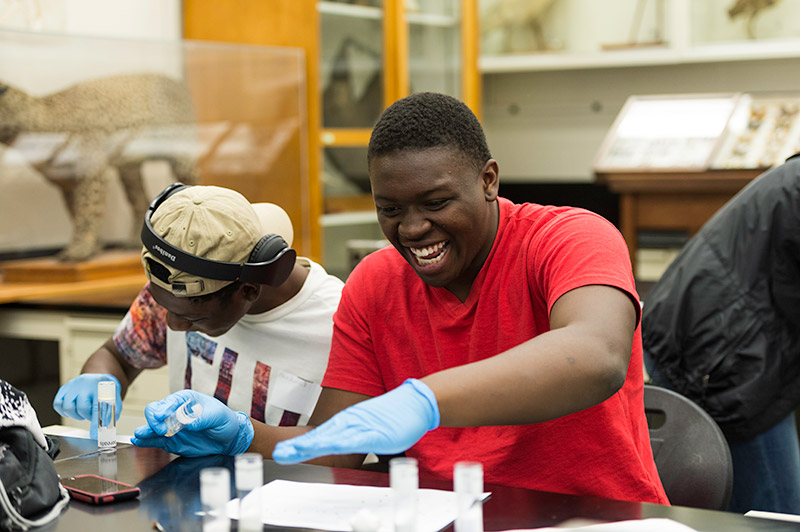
{"x":273,"y":271}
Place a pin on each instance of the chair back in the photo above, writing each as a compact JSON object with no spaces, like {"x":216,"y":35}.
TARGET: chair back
{"x":691,"y":453}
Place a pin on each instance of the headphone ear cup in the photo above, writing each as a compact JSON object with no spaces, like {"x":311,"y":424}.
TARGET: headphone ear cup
{"x":267,"y":248}
{"x":274,"y":248}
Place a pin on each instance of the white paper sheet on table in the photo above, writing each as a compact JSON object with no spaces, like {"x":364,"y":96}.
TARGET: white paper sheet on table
{"x":332,"y":506}
{"x":73,"y":432}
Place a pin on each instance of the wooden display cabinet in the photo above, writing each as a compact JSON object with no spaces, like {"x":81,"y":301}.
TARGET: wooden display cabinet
{"x":673,"y":201}
{"x":673,"y":159}
{"x":406,"y":46}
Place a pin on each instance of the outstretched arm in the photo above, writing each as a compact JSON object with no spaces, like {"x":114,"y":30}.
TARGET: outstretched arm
{"x":579,"y":363}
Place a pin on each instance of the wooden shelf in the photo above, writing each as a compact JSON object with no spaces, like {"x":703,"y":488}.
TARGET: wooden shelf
{"x":677,"y":182}
{"x":112,"y":290}
{"x":50,"y":270}
{"x":350,"y":10}
{"x":651,"y":56}
{"x":681,"y":201}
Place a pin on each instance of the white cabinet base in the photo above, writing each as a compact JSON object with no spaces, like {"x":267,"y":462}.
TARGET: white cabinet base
{"x":79,"y":335}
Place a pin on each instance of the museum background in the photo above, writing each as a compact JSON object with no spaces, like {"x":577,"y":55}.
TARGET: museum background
{"x":283,"y":95}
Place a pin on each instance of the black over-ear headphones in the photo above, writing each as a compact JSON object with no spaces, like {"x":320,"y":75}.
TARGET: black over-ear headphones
{"x":270,"y":262}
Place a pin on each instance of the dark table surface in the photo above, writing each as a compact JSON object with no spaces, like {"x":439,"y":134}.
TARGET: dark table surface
{"x":171,"y":495}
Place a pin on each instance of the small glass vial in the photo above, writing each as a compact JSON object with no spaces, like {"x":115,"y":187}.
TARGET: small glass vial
{"x":184,"y":415}
{"x":404,"y":482}
{"x":107,"y":415}
{"x":107,"y":465}
{"x":215,"y":492}
{"x":249,"y":473}
{"x":468,"y":485}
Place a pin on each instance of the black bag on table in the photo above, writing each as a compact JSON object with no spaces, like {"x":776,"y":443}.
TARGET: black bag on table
{"x":30,"y":492}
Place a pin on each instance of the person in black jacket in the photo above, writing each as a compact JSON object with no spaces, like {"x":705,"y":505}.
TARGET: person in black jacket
{"x":722,"y":327}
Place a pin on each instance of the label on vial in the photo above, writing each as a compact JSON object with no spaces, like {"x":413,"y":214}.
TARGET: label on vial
{"x":106,"y":438}
{"x":106,"y":424}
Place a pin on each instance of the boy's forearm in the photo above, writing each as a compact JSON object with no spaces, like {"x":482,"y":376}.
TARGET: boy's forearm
{"x":527,"y":384}
{"x":267,"y":436}
{"x":107,"y":360}
{"x":582,"y":361}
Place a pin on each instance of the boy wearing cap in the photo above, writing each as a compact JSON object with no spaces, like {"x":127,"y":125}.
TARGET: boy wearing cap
{"x":227,"y":307}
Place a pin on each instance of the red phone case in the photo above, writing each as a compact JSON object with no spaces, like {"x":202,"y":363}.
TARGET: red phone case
{"x":125,"y":491}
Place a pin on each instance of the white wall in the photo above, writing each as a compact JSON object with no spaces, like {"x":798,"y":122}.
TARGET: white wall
{"x":548,"y":126}
{"x":135,"y":19}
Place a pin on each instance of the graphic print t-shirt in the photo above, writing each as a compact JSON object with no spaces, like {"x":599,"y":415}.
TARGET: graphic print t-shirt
{"x":268,"y":365}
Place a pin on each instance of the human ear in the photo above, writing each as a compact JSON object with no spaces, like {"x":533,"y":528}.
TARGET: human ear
{"x":490,"y":178}
{"x":250,"y":292}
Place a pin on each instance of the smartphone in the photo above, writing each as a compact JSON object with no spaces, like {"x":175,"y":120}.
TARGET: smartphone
{"x":98,"y":490}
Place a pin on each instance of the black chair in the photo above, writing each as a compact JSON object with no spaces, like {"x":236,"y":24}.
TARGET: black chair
{"x":691,"y":453}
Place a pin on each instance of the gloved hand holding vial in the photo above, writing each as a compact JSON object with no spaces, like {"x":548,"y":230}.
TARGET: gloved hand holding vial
{"x":184,"y":415}
{"x":204,"y":424}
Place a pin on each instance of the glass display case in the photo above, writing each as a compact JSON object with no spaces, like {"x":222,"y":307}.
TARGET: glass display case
{"x":701,"y":132}
{"x":690,"y":128}
{"x":93,"y":128}
{"x":740,"y":21}
{"x":372,"y":53}
{"x":434,"y":47}
{"x":672,"y":178}
{"x":765,"y":133}
{"x":570,"y":26}
{"x":519,"y":35}
{"x":361,"y":56}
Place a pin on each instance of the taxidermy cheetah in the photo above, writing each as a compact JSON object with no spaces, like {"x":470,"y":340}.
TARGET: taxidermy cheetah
{"x":93,"y":122}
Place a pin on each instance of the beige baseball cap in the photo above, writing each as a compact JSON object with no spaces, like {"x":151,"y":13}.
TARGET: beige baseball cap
{"x":212,"y":223}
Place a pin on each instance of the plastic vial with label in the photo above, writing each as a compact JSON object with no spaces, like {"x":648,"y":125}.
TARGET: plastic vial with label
{"x":215,"y":492}
{"x":107,"y":465}
{"x":404,"y":482}
{"x":184,"y":415}
{"x":468,"y":485}
{"x":249,"y":473}
{"x":107,"y":415}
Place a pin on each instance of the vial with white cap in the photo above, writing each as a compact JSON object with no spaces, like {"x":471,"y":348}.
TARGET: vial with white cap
{"x":215,"y":492}
{"x":107,"y":415}
{"x":185,"y":414}
{"x":404,"y":482}
{"x":249,"y":474}
{"x":468,"y":486}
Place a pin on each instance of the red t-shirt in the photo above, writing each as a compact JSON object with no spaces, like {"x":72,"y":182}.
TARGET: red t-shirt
{"x":390,"y":326}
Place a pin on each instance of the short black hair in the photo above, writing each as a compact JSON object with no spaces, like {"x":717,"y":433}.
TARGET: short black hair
{"x":429,"y":120}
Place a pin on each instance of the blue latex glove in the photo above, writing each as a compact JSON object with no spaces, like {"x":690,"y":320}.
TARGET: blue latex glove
{"x":78,"y":398}
{"x":218,"y":430}
{"x":387,"y":424}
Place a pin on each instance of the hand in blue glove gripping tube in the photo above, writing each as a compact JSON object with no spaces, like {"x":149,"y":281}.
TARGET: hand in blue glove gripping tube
{"x":387,"y":424}
{"x":78,"y":398}
{"x":218,"y":430}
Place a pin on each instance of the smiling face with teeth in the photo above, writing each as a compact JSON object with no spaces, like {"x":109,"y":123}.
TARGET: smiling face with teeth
{"x":438,"y":212}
